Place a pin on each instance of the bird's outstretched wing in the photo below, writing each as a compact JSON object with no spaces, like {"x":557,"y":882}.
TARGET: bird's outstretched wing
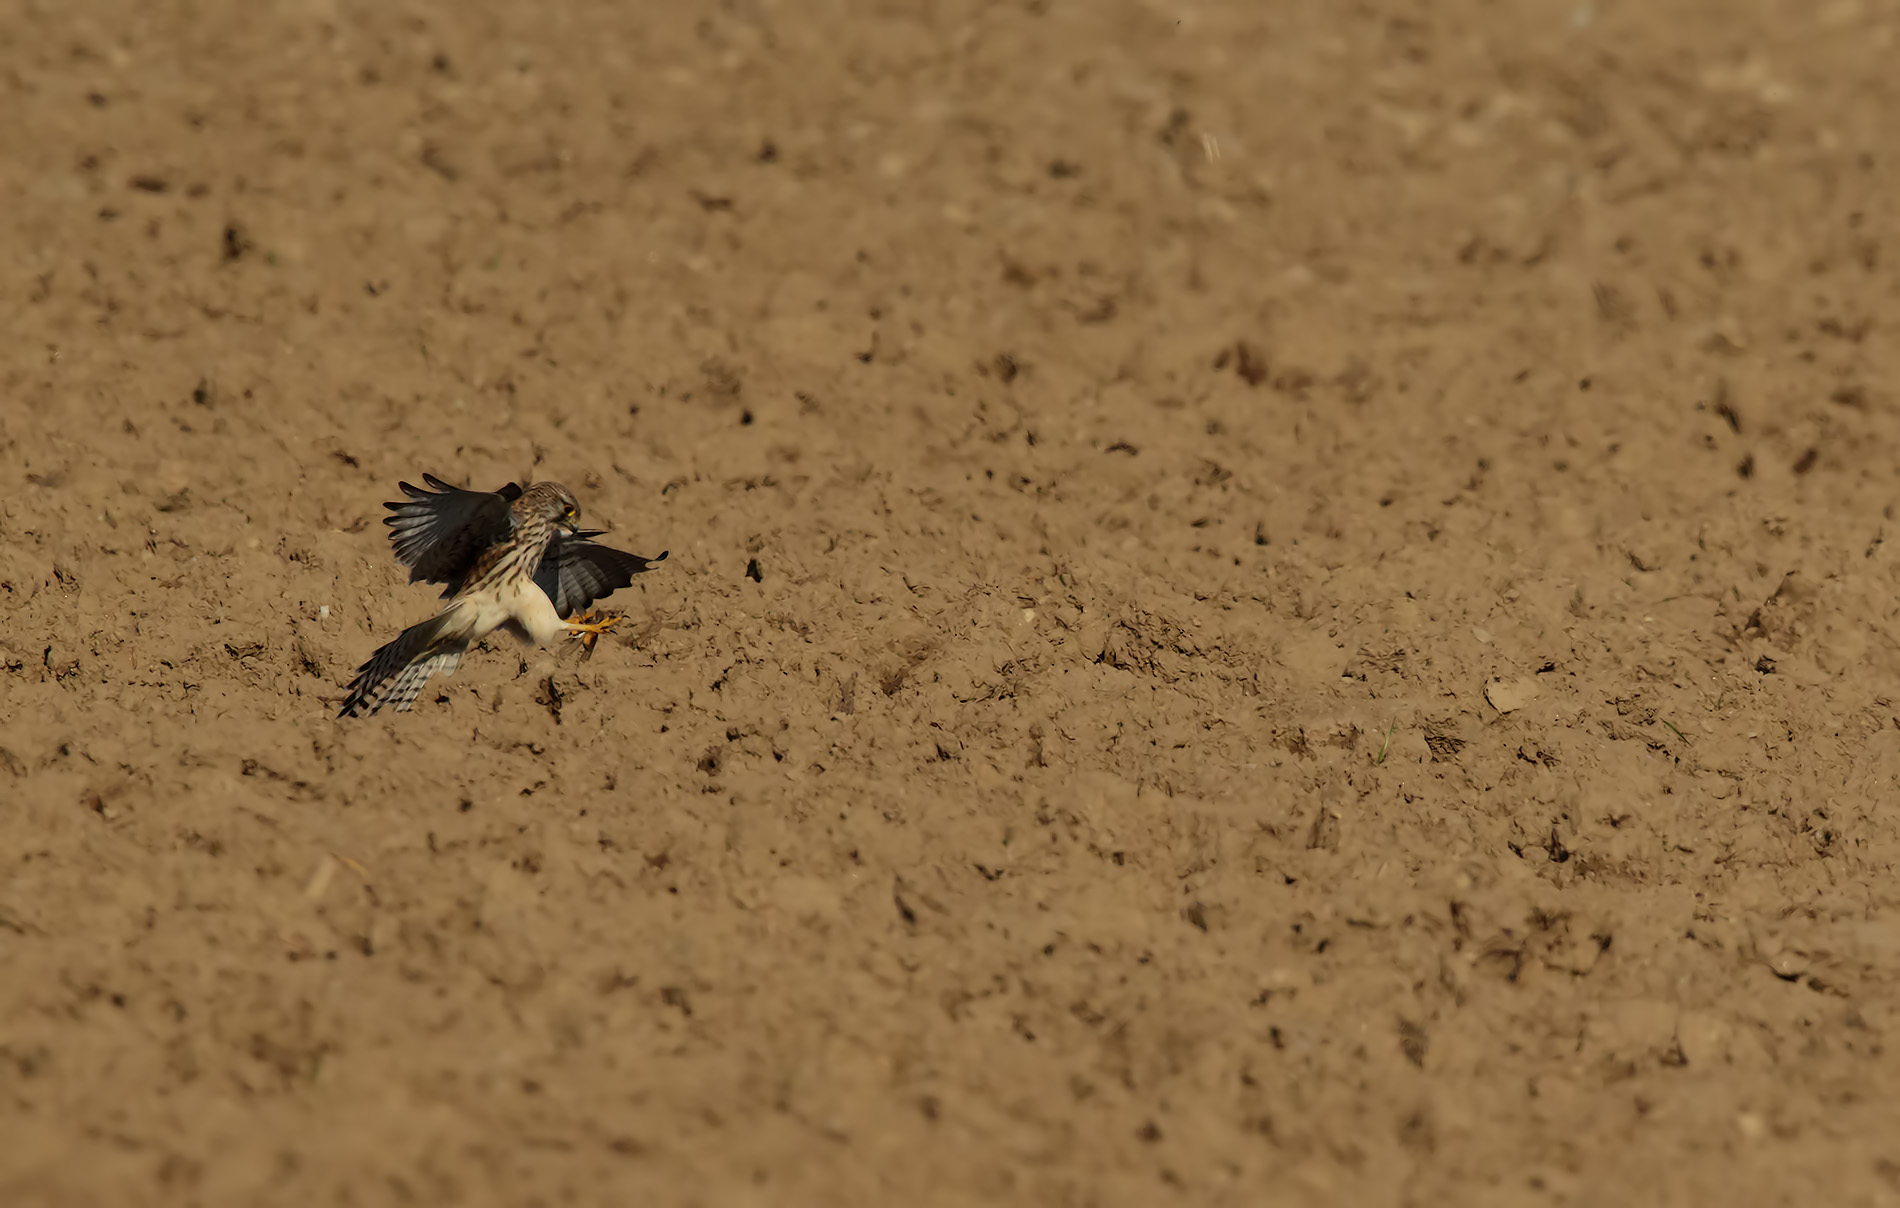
{"x":575,"y":572}
{"x":439,"y":533}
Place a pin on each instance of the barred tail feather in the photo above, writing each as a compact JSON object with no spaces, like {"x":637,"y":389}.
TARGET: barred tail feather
{"x":395,"y":674}
{"x":408,"y":683}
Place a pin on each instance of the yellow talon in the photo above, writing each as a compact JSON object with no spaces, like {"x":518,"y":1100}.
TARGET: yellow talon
{"x":589,"y":631}
{"x":581,"y":624}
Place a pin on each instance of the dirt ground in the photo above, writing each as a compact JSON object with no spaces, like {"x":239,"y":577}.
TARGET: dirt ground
{"x":1267,"y":603}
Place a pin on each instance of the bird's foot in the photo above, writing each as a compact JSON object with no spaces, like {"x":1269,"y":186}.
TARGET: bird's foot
{"x":589,"y":631}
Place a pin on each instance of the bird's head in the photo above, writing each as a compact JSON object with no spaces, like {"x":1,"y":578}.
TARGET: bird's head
{"x":556,"y":504}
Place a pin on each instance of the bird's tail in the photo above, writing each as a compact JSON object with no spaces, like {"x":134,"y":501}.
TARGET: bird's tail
{"x":394,"y":675}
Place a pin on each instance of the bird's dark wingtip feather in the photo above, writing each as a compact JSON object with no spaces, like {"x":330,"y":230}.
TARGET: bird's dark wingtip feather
{"x":437,"y":483}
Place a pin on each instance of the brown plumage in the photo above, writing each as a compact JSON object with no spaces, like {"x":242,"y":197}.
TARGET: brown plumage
{"x":513,"y":558}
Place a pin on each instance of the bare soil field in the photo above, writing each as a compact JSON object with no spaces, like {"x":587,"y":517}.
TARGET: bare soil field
{"x":1268,"y":603}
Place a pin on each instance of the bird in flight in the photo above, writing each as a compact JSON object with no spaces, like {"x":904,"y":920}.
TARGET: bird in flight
{"x":510,"y":559}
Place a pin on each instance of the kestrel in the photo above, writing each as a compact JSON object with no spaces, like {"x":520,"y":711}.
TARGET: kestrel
{"x":511,"y":559}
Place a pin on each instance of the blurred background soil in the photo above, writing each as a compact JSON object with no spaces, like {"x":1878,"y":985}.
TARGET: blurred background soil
{"x":1267,"y":601}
